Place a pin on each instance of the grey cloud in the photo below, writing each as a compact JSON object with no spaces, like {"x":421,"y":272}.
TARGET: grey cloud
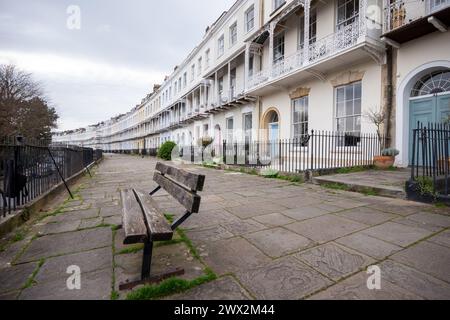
{"x":138,"y":36}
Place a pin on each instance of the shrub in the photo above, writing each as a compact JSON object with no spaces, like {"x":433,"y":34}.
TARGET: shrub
{"x":165,"y":151}
{"x":269,"y":173}
{"x":390,"y":152}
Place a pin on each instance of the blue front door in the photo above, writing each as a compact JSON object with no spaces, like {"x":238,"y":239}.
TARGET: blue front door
{"x":430,"y":109}
{"x":273,"y":137}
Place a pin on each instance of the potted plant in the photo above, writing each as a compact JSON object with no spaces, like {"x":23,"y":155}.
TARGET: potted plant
{"x":387,"y":158}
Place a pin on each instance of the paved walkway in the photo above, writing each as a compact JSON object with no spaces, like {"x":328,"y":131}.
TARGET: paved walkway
{"x":264,"y":238}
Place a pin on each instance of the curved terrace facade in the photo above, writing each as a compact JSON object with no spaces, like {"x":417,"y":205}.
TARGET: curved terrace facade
{"x":274,"y":69}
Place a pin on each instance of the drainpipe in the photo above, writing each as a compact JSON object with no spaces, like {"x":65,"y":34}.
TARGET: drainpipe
{"x":389,"y":93}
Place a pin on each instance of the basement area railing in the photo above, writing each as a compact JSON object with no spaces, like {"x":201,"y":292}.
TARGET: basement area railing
{"x":29,"y":169}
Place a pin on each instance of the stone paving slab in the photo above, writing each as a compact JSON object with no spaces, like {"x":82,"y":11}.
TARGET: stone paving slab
{"x":305,"y":213}
{"x":400,"y":207}
{"x":8,"y":255}
{"x":355,"y":288}
{"x":286,"y":278}
{"x":9,"y":296}
{"x":334,"y":261}
{"x":278,"y":242}
{"x":422,"y":225}
{"x":258,"y":208}
{"x":15,"y":277}
{"x":222,"y":289}
{"x":239,"y":228}
{"x":53,"y":245}
{"x":414,"y":281}
{"x":427,"y":257}
{"x":326,"y":228}
{"x":89,"y":261}
{"x":233,"y":255}
{"x":443,"y":239}
{"x":199,"y":236}
{"x":370,"y":246}
{"x":367,"y":216}
{"x":94,"y":286}
{"x":431,"y":219}
{"x":398,"y":234}
{"x":90,"y":223}
{"x":58,"y":227}
{"x":75,"y":215}
{"x":274,"y":220}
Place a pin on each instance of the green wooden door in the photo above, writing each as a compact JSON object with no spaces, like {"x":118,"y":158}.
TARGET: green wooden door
{"x":432,"y":109}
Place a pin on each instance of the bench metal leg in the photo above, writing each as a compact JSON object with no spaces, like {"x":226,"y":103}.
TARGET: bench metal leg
{"x":146,"y":277}
{"x":147,"y":260}
{"x":180,"y":220}
{"x":156,"y":190}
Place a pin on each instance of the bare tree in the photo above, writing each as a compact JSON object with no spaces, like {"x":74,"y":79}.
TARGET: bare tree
{"x":23,"y":108}
{"x":378,"y":118}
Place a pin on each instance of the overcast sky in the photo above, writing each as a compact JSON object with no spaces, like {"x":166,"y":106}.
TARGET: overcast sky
{"x":109,"y":64}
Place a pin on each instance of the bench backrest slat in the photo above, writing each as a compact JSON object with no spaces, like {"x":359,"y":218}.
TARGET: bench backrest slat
{"x":193,"y":181}
{"x":159,"y":227}
{"x":132,"y":219}
{"x":187,"y":198}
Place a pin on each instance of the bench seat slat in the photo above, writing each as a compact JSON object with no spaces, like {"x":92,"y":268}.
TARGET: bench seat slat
{"x":132,"y":219}
{"x":186,"y":198}
{"x":158,"y":225}
{"x":193,"y":181}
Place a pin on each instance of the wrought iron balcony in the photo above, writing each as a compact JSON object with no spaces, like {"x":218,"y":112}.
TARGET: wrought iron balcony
{"x":399,"y":13}
{"x":322,"y":49}
{"x":407,"y":20}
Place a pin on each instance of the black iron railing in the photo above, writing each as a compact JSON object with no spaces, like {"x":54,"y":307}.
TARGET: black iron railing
{"x":319,"y":150}
{"x":431,"y":155}
{"x":30,"y":169}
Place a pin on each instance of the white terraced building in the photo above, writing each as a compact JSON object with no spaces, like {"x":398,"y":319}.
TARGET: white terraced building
{"x":291,"y":66}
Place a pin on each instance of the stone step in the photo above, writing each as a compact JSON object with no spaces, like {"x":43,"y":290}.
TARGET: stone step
{"x":362,"y":187}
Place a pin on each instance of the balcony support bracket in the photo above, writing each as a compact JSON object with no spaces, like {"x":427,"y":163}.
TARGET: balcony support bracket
{"x":319,"y":75}
{"x":438,"y":24}
{"x":378,"y":56}
{"x":391,"y":42}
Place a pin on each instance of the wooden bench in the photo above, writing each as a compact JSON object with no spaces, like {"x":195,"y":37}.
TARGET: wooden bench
{"x":144,"y":222}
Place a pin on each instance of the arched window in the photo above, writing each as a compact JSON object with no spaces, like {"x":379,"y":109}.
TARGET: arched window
{"x":432,"y":83}
{"x":273,"y":117}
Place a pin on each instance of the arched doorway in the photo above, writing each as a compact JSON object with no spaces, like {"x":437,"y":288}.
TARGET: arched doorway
{"x":271,"y":123}
{"x":411,"y":99}
{"x":429,"y":101}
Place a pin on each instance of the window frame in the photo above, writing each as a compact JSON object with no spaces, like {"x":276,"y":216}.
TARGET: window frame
{"x":276,"y":45}
{"x":303,"y":122}
{"x":199,"y":66}
{"x":247,"y":20}
{"x":348,"y":20}
{"x":247,"y":132}
{"x":312,"y":29}
{"x":229,"y":132}
{"x":207,"y":58}
{"x":344,"y":102}
{"x":185,"y":79}
{"x":192,"y":72}
{"x":233,"y":34}
{"x":221,"y":45}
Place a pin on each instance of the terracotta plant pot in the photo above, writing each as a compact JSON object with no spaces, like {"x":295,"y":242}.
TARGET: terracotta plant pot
{"x":382,"y":162}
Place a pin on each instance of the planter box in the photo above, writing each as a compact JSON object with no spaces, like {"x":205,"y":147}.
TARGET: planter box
{"x":382,"y":162}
